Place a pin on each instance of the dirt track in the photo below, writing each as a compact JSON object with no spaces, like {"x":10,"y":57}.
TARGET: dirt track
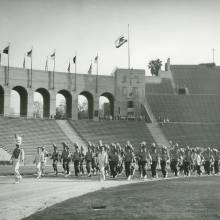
{"x":21,"y":200}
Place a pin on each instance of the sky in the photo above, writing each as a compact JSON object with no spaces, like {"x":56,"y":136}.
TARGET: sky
{"x":184,"y":30}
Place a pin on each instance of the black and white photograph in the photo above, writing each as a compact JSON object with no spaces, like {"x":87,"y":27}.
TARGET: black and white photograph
{"x":109,"y":109}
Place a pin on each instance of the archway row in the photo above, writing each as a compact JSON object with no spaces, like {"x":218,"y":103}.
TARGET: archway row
{"x":19,"y":103}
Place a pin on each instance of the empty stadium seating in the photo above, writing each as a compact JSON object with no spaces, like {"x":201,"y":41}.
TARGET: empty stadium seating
{"x":199,"y":79}
{"x":186,"y":108}
{"x":203,"y":135}
{"x":163,"y":87}
{"x":196,"y":115}
{"x":113,"y":131}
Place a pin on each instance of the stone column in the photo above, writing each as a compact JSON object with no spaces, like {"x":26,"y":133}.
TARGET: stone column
{"x":74,"y":105}
{"x":30,"y":104}
{"x":52,"y":103}
{"x":96,"y":108}
{"x":116,"y":108}
{"x":7,"y":99}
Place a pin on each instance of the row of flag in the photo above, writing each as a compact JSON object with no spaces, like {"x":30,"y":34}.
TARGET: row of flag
{"x":118,"y":43}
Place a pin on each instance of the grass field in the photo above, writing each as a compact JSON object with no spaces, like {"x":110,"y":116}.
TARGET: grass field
{"x":182,"y":198}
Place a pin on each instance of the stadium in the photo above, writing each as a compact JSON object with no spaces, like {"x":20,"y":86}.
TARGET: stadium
{"x":109,"y":110}
{"x":180,"y":104}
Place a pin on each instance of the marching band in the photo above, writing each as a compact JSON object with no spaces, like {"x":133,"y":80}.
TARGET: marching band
{"x":113,"y":159}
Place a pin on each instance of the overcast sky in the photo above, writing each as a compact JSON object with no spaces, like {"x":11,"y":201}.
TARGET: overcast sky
{"x":186,"y":31}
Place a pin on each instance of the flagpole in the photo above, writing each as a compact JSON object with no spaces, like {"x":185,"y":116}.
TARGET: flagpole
{"x":31,"y":65}
{"x":213,"y":55}
{"x":69,"y":76}
{"x":97,"y":72}
{"x":128,"y":49}
{"x":24,"y":61}
{"x":8,"y":62}
{"x":54,"y":66}
{"x":75,"y":72}
{"x":46,"y":66}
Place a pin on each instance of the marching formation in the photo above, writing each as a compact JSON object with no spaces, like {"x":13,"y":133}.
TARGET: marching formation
{"x":114,"y":160}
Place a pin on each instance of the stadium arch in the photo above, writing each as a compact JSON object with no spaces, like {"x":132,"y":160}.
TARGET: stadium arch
{"x":90,"y":101}
{"x":68,"y":98}
{"x":1,"y":100}
{"x":23,"y":94}
{"x":110,"y":98}
{"x":46,"y":101}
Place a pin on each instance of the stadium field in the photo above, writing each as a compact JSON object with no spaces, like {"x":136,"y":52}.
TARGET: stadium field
{"x":177,"y":198}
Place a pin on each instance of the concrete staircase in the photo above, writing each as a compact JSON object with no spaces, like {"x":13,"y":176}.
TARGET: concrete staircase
{"x":157,"y":134}
{"x":149,"y":111}
{"x":71,"y":133}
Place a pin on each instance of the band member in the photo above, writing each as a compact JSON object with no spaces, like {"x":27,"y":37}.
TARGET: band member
{"x":55,"y":158}
{"x":120,"y":153}
{"x":107,"y":167}
{"x":94,"y":159}
{"x":82,"y":158}
{"x":145,"y":161}
{"x":44,"y":162}
{"x":174,"y":156}
{"x":129,"y":159}
{"x":187,"y":161}
{"x":17,"y":158}
{"x":113,"y":161}
{"x":180,"y":161}
{"x":138,"y":158}
{"x":76,"y":159}
{"x":164,"y":157}
{"x":193,"y":160}
{"x":66,"y":157}
{"x":208,"y":158}
{"x":155,"y":157}
{"x":102,"y":161}
{"x":39,"y":158}
{"x":198,"y":161}
{"x":216,"y":157}
{"x":88,"y":159}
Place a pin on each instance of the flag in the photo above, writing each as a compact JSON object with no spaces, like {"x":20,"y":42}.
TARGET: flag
{"x":52,"y":56}
{"x":96,"y":59}
{"x":46,"y":65}
{"x":68,"y":69}
{"x":90,"y":70}
{"x":6,"y":50}
{"x":74,"y":60}
{"x":120,"y":41}
{"x":24,"y":63}
{"x":29,"y":53}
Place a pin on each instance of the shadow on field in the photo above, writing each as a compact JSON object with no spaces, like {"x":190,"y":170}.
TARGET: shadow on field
{"x":182,"y":198}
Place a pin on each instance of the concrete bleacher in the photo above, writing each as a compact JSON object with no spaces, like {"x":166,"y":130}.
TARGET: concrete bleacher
{"x":113,"y":131}
{"x":202,"y":135}
{"x":163,"y":87}
{"x":199,"y":79}
{"x":186,"y":108}
{"x":36,"y":133}
{"x":194,"y":117}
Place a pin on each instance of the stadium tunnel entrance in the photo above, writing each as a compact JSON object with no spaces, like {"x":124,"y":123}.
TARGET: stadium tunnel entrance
{"x":42,"y":97}
{"x":85,"y":105}
{"x":63,"y":104}
{"x":106,"y":105}
{"x":1,"y":100}
{"x":19,"y":101}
